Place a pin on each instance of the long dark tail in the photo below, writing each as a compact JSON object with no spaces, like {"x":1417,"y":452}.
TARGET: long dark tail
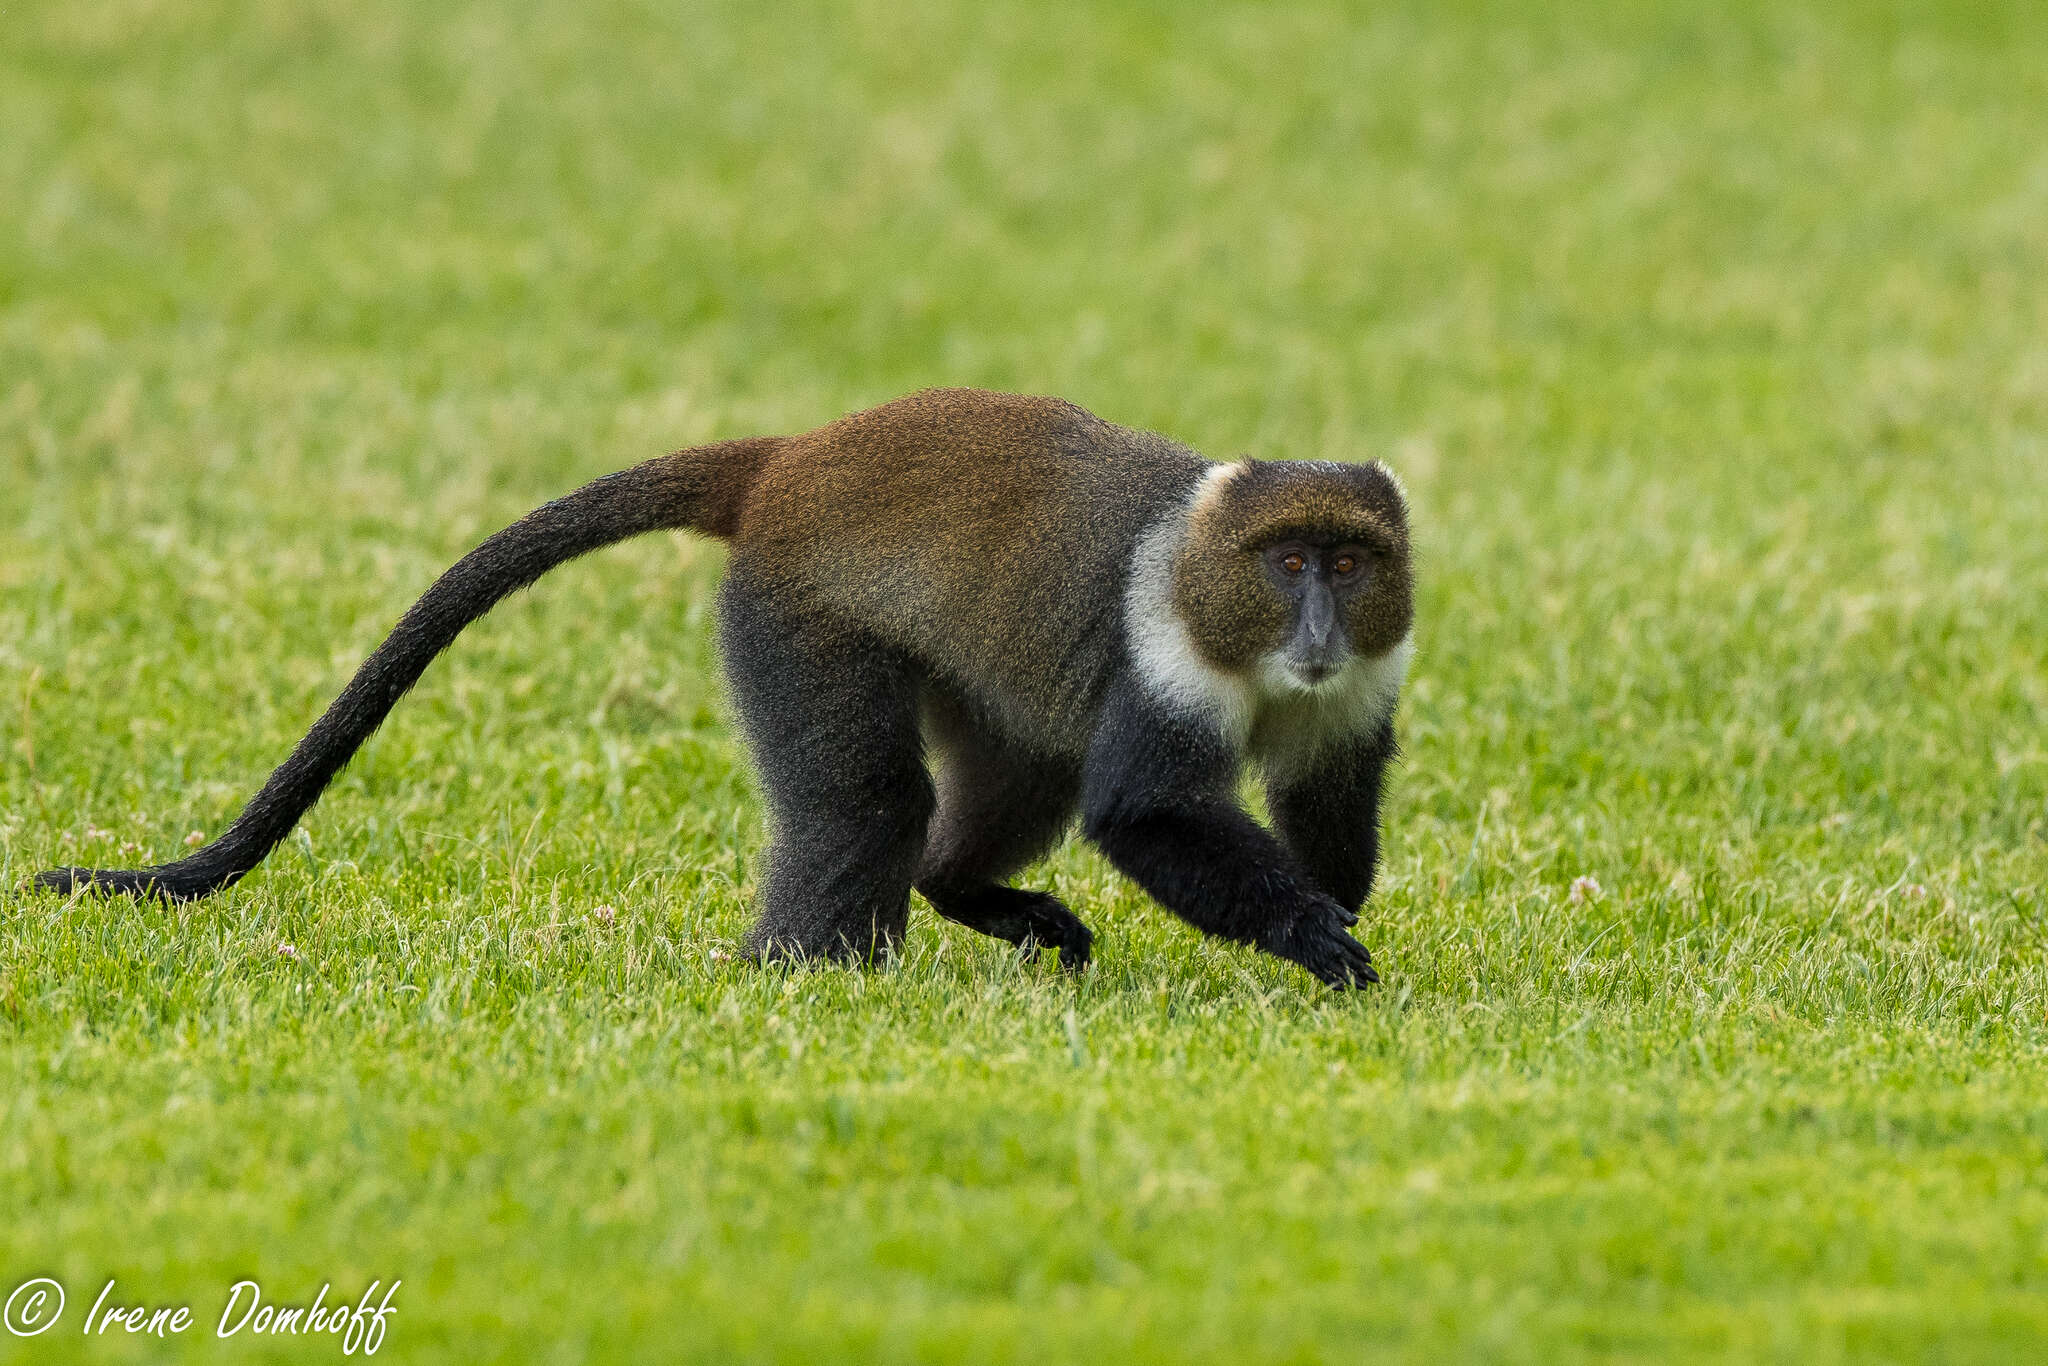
{"x":701,"y":489}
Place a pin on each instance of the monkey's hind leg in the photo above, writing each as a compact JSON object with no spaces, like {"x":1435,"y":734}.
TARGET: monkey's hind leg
{"x":999,"y":808}
{"x":833,"y":723}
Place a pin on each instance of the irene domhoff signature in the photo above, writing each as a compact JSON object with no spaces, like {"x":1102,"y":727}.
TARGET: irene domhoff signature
{"x":38,"y":1303}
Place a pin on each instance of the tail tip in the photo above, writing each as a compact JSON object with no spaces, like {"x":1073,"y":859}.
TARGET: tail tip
{"x":61,"y":880}
{"x":104,"y":881}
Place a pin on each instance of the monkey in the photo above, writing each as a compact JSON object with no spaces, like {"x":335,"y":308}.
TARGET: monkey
{"x":953,"y":624}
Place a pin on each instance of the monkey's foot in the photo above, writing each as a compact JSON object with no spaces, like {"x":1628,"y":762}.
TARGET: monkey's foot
{"x":1051,"y":925}
{"x":1318,"y":938}
{"x":813,"y":945}
{"x":1033,"y":921}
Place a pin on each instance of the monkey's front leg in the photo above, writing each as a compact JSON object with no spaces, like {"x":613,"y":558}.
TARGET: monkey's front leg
{"x":1157,"y":800}
{"x":1328,"y":813}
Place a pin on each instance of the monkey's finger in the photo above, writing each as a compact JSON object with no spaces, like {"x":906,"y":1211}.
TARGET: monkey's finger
{"x":1350,"y":977}
{"x":1361,"y":965}
{"x":1329,"y":967}
{"x":1354,"y":963}
{"x":1337,"y":978}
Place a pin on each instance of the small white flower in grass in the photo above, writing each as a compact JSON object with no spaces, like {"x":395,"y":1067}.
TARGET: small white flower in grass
{"x":194,"y":840}
{"x":717,"y":955}
{"x":605,"y":915}
{"x":1916,"y":891}
{"x":1585,"y":889}
{"x":129,"y":846}
{"x":287,"y":949}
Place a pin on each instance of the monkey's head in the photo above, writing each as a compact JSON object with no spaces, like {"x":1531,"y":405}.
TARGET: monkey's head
{"x":1296,"y":569}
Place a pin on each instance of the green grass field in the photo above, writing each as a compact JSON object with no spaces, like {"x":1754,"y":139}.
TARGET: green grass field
{"x":1711,"y":340}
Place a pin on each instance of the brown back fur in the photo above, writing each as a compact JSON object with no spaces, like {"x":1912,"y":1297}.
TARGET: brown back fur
{"x":974,"y":530}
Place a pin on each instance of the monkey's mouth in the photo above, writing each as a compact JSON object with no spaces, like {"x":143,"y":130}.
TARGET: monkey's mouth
{"x":1312,"y":675}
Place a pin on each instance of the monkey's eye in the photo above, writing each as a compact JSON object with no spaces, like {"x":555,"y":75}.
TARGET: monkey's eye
{"x":1345,"y":565}
{"x":1293,"y":562}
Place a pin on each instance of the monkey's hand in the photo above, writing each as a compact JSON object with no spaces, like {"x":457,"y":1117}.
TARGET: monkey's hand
{"x":1317,"y":937}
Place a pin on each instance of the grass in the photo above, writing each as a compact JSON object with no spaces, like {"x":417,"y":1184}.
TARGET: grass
{"x":1710,"y":341}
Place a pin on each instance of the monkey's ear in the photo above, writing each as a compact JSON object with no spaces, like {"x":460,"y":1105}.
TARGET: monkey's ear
{"x":1378,"y":478}
{"x":1393,"y":476}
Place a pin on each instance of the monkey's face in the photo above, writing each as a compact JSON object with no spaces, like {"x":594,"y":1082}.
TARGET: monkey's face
{"x":1296,"y":570}
{"x":1316,"y":577}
